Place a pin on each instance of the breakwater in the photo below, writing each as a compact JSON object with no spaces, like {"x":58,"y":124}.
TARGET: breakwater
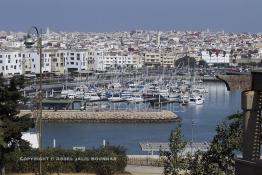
{"x":106,"y":117}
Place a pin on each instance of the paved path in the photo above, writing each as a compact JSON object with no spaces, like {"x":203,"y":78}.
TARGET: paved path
{"x":144,"y":170}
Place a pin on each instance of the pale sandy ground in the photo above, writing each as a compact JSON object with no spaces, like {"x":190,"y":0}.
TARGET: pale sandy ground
{"x":132,"y":169}
{"x":144,"y":170}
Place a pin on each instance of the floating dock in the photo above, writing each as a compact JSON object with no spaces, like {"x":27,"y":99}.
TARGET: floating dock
{"x":105,"y":117}
{"x":189,"y":147}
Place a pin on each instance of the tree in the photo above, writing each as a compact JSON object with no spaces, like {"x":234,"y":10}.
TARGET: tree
{"x":174,"y":162}
{"x":186,"y":60}
{"x":12,"y":125}
{"x":219,"y":159}
{"x":202,"y":63}
{"x":195,"y":166}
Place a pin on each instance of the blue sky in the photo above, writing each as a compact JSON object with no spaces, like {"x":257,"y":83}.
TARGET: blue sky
{"x":119,"y":15}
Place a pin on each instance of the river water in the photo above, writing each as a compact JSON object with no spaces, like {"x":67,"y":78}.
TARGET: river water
{"x":219,"y":103}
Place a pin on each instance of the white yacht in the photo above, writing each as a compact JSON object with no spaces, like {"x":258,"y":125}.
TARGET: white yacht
{"x":135,"y":99}
{"x":115,"y":98}
{"x":64,"y":93}
{"x":164,"y":93}
{"x":79,"y":94}
{"x":126,"y":94}
{"x":71,"y":94}
{"x":198,"y":100}
{"x":91,"y":96}
{"x":114,"y":86}
{"x":201,"y":90}
{"x":173,"y":96}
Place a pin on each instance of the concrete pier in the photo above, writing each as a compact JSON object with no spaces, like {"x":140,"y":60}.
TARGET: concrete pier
{"x":106,"y":117}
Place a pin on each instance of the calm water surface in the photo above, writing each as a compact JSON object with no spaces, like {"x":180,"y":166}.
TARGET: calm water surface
{"x":219,"y":103}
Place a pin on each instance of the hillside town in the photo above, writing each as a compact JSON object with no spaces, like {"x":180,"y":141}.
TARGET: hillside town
{"x":67,"y":52}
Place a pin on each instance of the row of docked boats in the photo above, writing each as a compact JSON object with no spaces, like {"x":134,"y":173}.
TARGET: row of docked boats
{"x":183,"y":91}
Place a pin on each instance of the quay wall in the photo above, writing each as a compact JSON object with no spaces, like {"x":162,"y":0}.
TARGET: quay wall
{"x":105,"y":117}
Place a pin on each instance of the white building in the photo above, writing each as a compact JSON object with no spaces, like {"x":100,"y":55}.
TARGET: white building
{"x":75,"y":60}
{"x":109,"y":59}
{"x":99,"y":62}
{"x":215,"y":56}
{"x":11,"y":63}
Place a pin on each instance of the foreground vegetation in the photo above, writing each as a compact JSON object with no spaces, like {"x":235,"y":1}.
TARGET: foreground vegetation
{"x":219,"y":159}
{"x":104,"y":161}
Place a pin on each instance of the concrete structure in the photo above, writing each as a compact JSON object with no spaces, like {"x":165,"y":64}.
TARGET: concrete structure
{"x":251,"y":104}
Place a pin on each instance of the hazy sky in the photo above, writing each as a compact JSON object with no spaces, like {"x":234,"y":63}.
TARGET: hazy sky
{"x":119,"y":15}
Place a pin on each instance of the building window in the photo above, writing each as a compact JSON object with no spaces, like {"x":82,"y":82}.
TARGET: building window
{"x":14,"y":66}
{"x":19,"y":55}
{"x":1,"y":56}
{"x":23,"y":55}
{"x":1,"y":61}
{"x":3,"y":67}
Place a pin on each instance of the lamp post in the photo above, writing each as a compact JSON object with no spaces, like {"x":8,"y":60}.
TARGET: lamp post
{"x":29,"y":42}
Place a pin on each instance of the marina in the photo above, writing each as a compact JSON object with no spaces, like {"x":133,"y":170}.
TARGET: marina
{"x":140,"y":95}
{"x":219,"y":103}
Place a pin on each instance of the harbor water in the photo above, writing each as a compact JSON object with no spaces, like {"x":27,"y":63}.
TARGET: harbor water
{"x":219,"y":103}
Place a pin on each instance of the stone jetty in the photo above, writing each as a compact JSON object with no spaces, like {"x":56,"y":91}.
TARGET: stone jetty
{"x":106,"y":117}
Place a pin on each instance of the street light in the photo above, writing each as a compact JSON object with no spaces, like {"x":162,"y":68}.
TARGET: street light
{"x":29,"y":42}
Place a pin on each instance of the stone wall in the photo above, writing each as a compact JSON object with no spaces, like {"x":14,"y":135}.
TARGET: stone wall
{"x":68,"y":115}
